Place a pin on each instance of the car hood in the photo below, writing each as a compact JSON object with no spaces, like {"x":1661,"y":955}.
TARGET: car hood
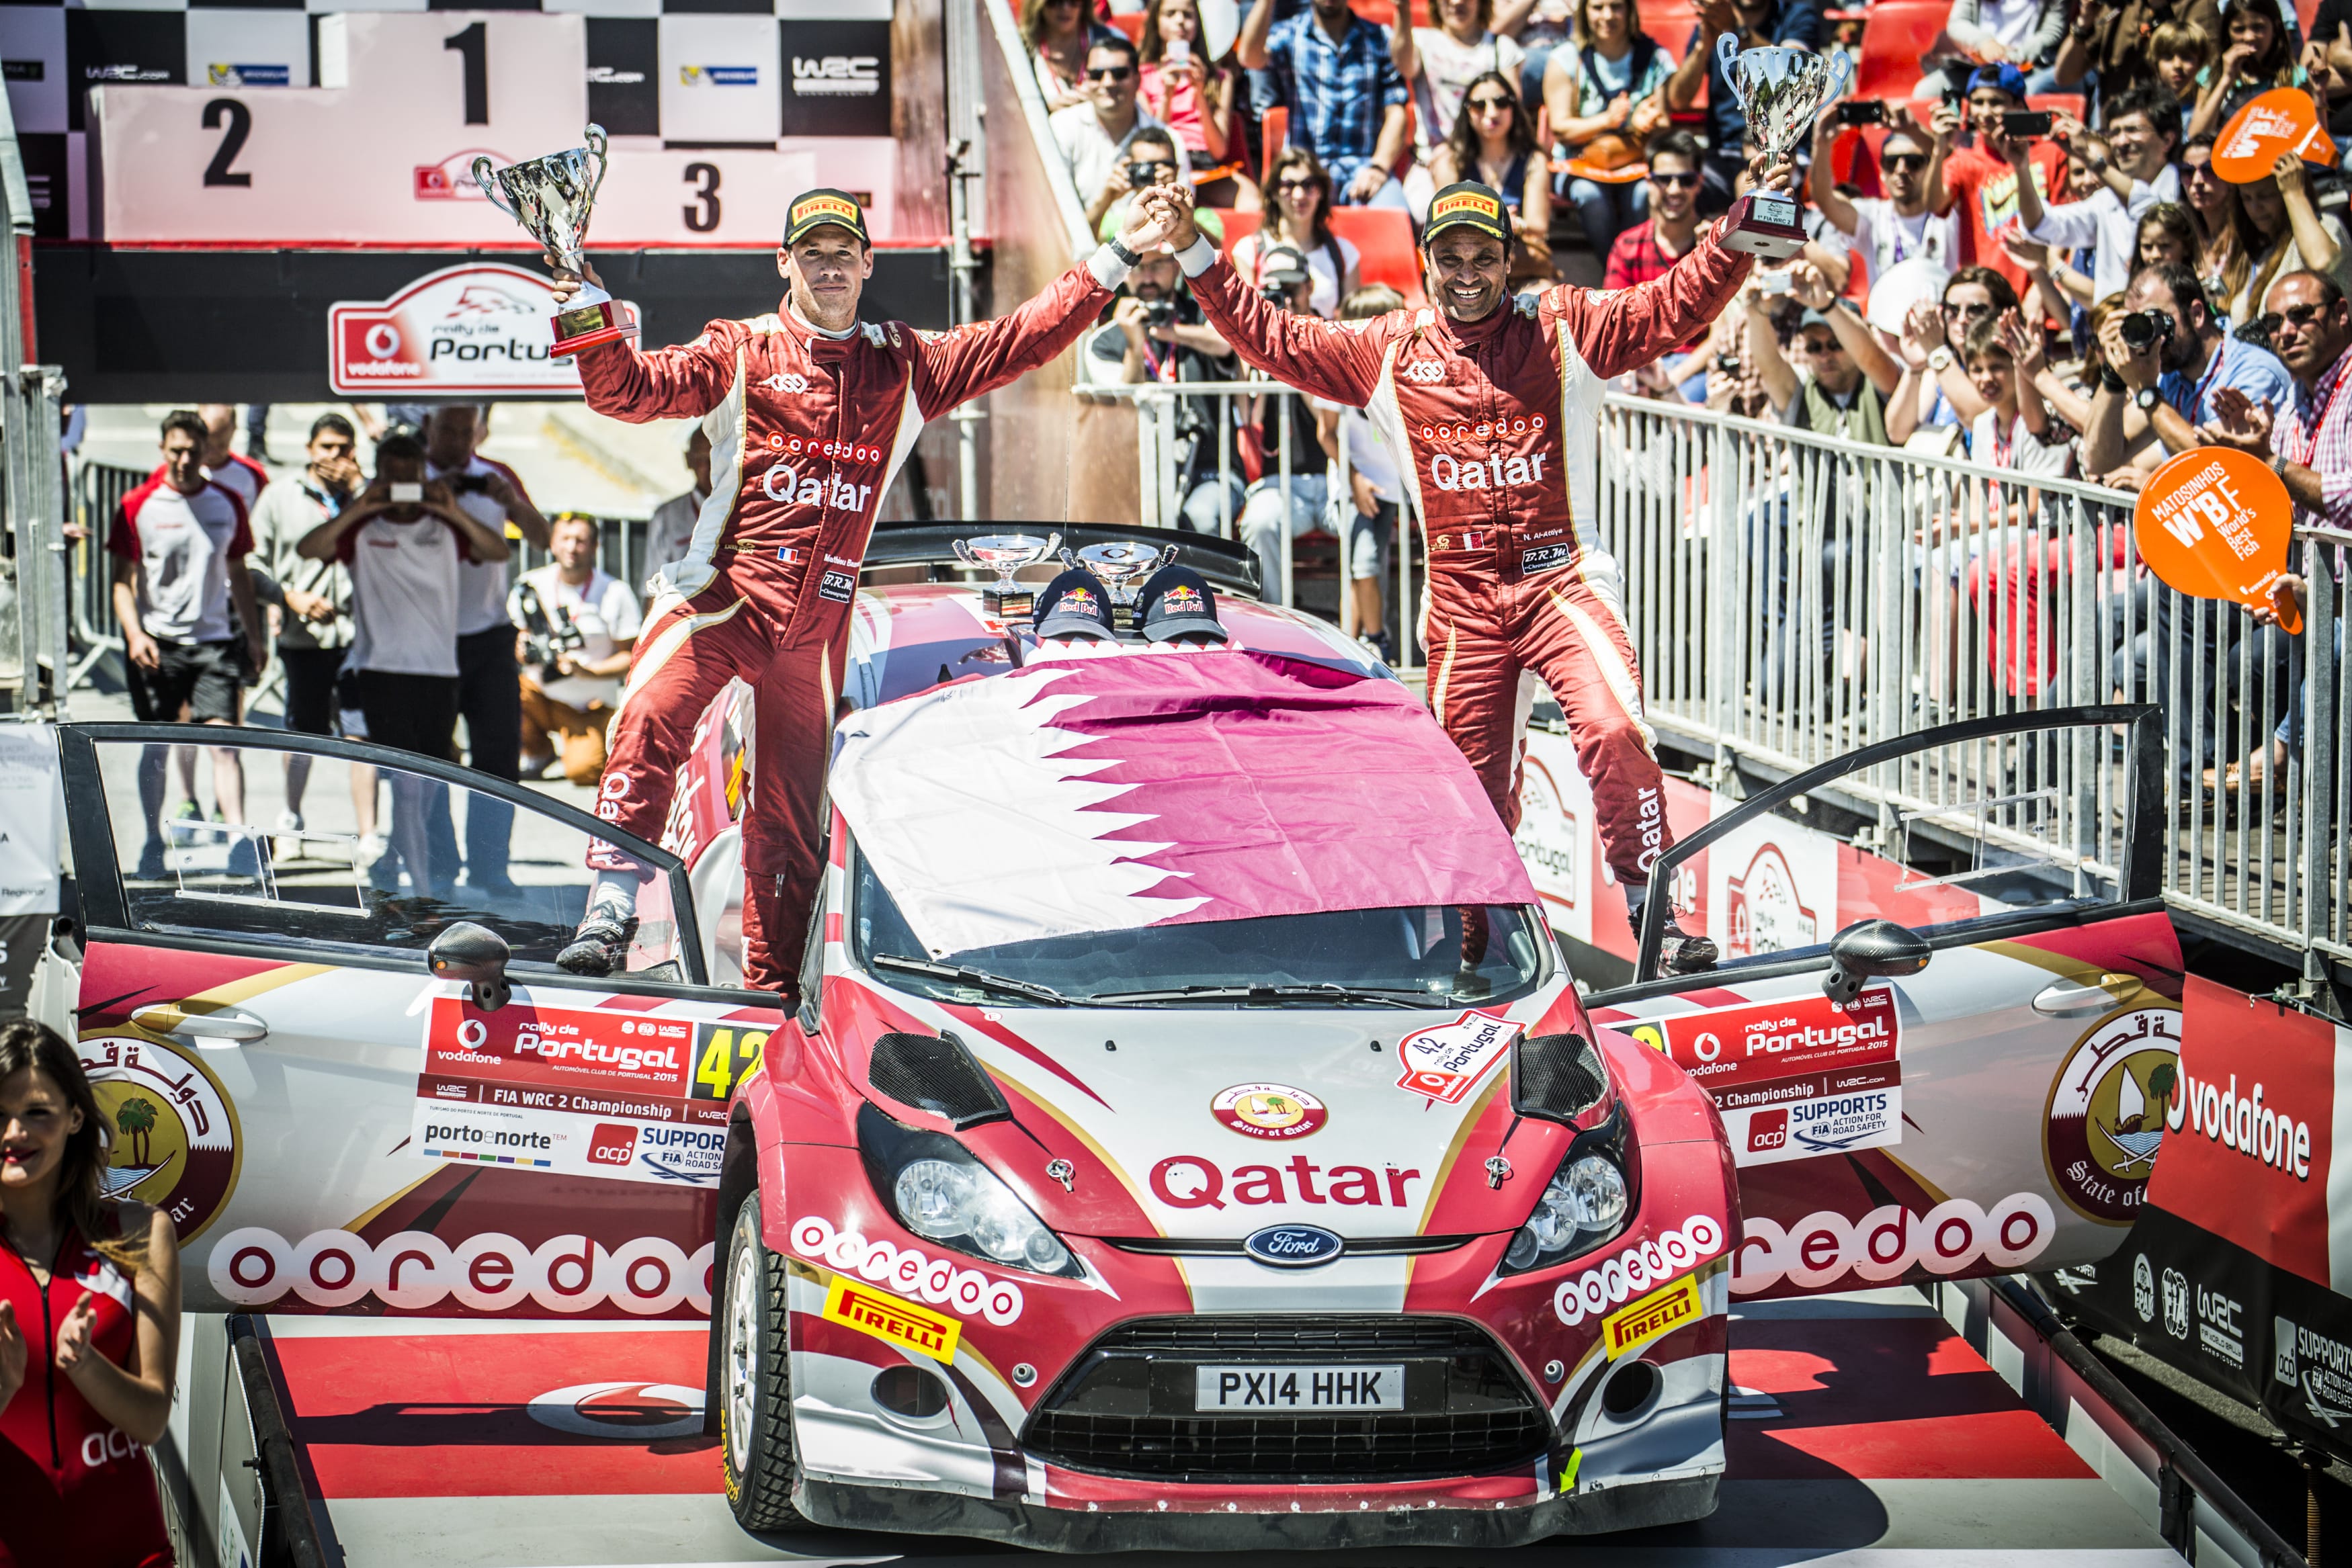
{"x":1199,"y":1123}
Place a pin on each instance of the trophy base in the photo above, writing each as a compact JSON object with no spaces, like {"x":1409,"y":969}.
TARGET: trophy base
{"x":1764,"y":225}
{"x":1012,"y":604}
{"x":1122,"y":617}
{"x":588,"y":325}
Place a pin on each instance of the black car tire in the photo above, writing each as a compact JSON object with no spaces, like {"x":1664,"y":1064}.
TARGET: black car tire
{"x":755,"y":1411}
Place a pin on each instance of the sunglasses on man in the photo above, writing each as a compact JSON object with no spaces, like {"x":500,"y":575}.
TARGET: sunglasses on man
{"x":1109,"y":73}
{"x":1909,"y":162}
{"x":1672,"y":182}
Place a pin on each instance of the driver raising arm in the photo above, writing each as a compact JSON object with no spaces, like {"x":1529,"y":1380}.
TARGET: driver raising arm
{"x":1496,"y":399}
{"x":810,"y":413}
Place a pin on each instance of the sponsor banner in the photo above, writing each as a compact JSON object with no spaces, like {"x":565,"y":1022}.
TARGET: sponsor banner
{"x":1826,"y":1250}
{"x":483,"y":327}
{"x":1796,"y":1077}
{"x":1444,"y":1061}
{"x":415,"y":1271}
{"x":943,"y":1281}
{"x":1636,"y":1270}
{"x":836,"y":77}
{"x":578,"y":1093}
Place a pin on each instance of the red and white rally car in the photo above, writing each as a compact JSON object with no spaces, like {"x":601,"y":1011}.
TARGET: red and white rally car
{"x":1191,"y":1136}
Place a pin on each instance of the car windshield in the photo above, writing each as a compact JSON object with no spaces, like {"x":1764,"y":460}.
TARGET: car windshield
{"x":1419,"y":956}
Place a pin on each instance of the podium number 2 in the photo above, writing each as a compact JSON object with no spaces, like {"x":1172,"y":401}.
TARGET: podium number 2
{"x":232,"y":142}
{"x":703,"y":221}
{"x":474,"y":44}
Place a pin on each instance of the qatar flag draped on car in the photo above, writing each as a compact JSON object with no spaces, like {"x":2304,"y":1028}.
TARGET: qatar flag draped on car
{"x":1036,"y":803}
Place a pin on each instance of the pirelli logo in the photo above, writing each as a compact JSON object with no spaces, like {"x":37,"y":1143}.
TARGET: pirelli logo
{"x":888,"y":1317}
{"x":1635,"y":1325}
{"x":824,"y":206}
{"x":1467,"y":202}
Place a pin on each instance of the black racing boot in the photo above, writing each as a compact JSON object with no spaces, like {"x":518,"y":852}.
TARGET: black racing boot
{"x":600,"y":946}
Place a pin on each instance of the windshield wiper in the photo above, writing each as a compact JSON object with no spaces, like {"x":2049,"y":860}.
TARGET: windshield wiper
{"x":979,"y":979}
{"x":1321,"y":993}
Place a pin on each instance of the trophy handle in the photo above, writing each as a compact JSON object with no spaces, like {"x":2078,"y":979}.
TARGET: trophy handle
{"x":1167,"y":557}
{"x":594,"y":137}
{"x":1727,"y":49}
{"x":963,"y":553}
{"x":1841,"y":76}
{"x":485,"y":181}
{"x":1052,"y":543}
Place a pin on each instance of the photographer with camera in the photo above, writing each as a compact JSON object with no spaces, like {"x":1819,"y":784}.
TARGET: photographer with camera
{"x":2168,"y":355}
{"x":577,"y":626}
{"x":1157,"y":333}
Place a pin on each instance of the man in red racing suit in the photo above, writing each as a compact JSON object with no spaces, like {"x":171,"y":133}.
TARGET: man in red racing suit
{"x":810,"y":414}
{"x":1496,"y":401}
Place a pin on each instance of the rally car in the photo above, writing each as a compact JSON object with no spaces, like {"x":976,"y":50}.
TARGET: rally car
{"x":998,"y":1231}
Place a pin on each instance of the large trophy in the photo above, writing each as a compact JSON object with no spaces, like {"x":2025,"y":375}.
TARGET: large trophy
{"x":1779,"y":91}
{"x":550,"y":197}
{"x":1122,"y":568}
{"x":1005,"y":554}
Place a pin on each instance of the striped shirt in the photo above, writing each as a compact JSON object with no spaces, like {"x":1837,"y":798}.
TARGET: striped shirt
{"x":2316,"y":432}
{"x":1337,"y":92}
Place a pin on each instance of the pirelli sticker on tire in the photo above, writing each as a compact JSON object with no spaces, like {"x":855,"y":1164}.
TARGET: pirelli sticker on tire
{"x":891,"y":1318}
{"x":1660,"y":1312}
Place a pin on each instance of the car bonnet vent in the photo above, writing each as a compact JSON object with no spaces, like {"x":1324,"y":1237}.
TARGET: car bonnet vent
{"x":934,"y":1072}
{"x":1557,"y":1077}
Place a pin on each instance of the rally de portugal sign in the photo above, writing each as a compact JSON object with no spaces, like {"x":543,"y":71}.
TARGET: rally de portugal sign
{"x":482,"y":329}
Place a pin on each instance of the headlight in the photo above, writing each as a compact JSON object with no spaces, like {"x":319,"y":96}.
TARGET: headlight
{"x":1588,"y":1200}
{"x":938,"y":1189}
{"x":960,"y":1204}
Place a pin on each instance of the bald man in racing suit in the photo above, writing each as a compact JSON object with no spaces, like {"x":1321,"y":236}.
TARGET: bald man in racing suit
{"x":1497,"y":400}
{"x":810,"y":414}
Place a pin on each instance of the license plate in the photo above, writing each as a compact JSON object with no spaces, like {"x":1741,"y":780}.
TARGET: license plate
{"x":1284,"y":1390}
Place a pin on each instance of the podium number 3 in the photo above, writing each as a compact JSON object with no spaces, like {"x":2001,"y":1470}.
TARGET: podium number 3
{"x":240,"y":126}
{"x":474,"y":44}
{"x":703,"y":220}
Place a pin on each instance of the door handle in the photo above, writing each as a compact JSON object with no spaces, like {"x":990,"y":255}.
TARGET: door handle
{"x":2071,"y":998}
{"x":209,"y":1030}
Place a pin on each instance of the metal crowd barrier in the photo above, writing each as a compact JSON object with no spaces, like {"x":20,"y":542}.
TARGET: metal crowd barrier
{"x":1792,"y":597}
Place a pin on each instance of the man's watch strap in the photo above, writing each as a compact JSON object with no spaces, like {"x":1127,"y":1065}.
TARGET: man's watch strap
{"x":1126,"y":257}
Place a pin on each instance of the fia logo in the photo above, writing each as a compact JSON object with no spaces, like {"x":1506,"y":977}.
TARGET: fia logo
{"x":2176,"y":1303}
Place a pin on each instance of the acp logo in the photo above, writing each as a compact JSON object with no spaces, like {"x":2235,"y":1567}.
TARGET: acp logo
{"x":171,"y":1131}
{"x":612,"y":1143}
{"x":1767,"y":1130}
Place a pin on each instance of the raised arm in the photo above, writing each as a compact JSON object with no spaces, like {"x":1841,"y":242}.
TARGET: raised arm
{"x":1332,"y":362}
{"x":626,"y":383}
{"x":1249,"y":49}
{"x":1616,"y":331}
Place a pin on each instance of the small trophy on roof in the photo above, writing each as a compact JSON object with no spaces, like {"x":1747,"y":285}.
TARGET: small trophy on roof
{"x":1005,"y":554}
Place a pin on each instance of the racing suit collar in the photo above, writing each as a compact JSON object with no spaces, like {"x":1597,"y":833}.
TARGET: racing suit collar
{"x":1470,"y":334}
{"x":809,"y":329}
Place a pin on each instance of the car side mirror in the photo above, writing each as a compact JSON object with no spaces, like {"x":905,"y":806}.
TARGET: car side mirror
{"x":1869,"y":950}
{"x":475,"y":955}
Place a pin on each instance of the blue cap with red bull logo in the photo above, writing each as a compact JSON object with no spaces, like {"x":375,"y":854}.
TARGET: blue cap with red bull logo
{"x":1076,"y":604}
{"x":1179,"y":602}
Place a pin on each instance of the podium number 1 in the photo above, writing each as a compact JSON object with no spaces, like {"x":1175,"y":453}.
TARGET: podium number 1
{"x":474,"y":44}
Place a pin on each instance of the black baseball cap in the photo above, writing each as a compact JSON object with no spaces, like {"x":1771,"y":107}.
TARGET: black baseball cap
{"x":1283,"y":265}
{"x":1179,"y":602}
{"x":815,"y":209}
{"x":1466,"y":203}
{"x":1076,"y":604}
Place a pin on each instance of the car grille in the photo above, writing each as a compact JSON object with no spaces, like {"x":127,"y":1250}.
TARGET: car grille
{"x":1126,"y":1406}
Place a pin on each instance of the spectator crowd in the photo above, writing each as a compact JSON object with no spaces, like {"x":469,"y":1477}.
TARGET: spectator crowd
{"x":385,"y":606}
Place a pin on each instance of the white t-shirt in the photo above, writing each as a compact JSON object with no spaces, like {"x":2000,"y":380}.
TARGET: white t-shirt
{"x":405,"y":590}
{"x":482,"y":596}
{"x":2011,"y":21}
{"x":604,"y":609}
{"x":1323,"y":294}
{"x":242,"y":476}
{"x":1369,"y":454}
{"x":671,"y":530}
{"x":1093,"y":152}
{"x":2020,"y":453}
{"x":183,"y":546}
{"x":1447,"y":69}
{"x":1884,"y":237}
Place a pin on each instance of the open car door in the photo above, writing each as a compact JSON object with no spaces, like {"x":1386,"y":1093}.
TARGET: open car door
{"x":334,"y":1126}
{"x":1972,"y":1081}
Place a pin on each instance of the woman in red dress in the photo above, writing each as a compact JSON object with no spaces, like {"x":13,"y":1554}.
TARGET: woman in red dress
{"x":89,"y":1326}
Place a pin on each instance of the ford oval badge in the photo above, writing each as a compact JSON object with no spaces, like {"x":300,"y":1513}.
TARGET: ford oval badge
{"x":1294,"y":1246}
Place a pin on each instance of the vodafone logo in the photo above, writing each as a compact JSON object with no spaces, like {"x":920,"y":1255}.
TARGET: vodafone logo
{"x":1884,"y":1244}
{"x":381,"y":340}
{"x":490,"y":1272}
{"x":626,"y":1412}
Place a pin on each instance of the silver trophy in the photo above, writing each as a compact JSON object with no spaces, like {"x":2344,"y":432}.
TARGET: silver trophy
{"x":1779,"y":91}
{"x":1005,"y":554}
{"x":1122,"y":568}
{"x":550,"y":197}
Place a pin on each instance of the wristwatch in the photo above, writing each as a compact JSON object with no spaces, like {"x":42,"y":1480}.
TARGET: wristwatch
{"x":1939,"y":359}
{"x":1126,"y":257}
{"x":2146,"y":399}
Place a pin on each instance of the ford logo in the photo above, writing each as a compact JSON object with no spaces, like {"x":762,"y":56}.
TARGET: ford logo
{"x":1294,"y":1246}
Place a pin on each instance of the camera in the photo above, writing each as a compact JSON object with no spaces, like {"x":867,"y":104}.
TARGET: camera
{"x":405,"y":493}
{"x":1862,"y":111}
{"x":544,"y":636}
{"x":1147,"y":173}
{"x":2143,"y":329}
{"x":468,"y":483}
{"x":2026,"y":122}
{"x":1159,"y":313}
{"x":1727,"y":363}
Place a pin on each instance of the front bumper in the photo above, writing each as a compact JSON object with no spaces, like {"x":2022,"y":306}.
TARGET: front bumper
{"x":1307,"y":1519}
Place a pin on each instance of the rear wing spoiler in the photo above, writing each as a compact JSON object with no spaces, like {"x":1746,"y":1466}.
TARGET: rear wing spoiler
{"x":1230,"y":566}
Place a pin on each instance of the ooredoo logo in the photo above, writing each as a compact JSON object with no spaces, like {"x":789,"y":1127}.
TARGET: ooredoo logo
{"x":942,"y":1282}
{"x":1767,"y":1130}
{"x":1638,"y":1269}
{"x":612,"y":1143}
{"x":1884,"y":1245}
{"x":413,"y":1270}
